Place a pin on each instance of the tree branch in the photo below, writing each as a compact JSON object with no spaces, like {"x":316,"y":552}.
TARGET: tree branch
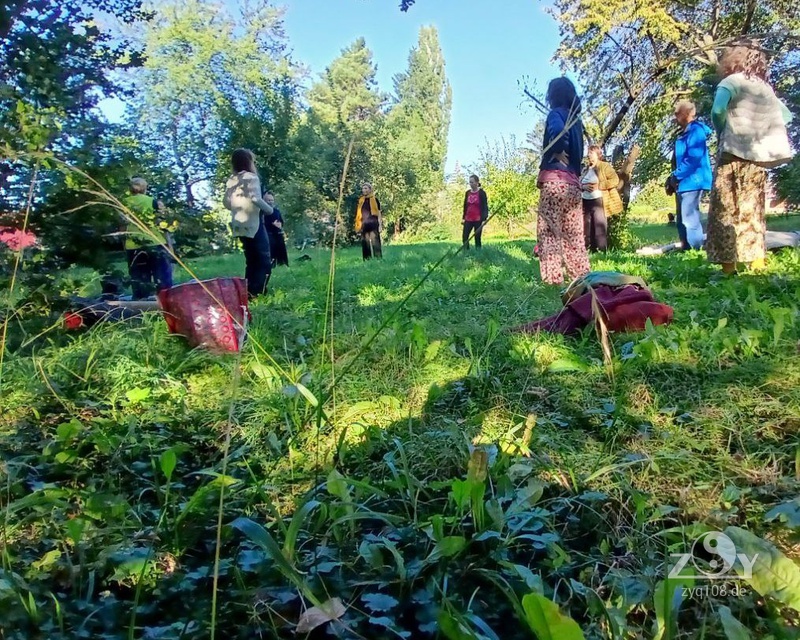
{"x":711,"y":45}
{"x":536,"y":100}
{"x":715,"y":13}
{"x":748,"y":19}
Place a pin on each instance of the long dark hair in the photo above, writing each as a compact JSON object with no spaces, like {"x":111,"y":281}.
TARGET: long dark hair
{"x":243,"y":160}
{"x":561,"y":93}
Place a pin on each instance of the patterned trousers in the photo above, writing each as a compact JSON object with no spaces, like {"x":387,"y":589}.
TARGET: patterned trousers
{"x":560,"y":232}
{"x":736,"y":217}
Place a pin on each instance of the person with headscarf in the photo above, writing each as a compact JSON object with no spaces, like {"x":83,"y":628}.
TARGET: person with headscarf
{"x":751,"y":123}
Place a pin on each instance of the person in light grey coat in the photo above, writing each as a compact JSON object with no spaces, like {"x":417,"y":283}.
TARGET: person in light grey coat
{"x":243,"y":199}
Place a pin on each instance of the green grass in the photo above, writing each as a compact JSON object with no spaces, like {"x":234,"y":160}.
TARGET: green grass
{"x":596,"y":471}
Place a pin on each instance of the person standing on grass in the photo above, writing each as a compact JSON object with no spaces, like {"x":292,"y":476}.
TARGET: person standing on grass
{"x":692,"y":174}
{"x":243,"y":199}
{"x":560,"y":223}
{"x":148,"y":259}
{"x":669,"y":188}
{"x":600,"y":199}
{"x":476,"y":211}
{"x":274,"y":225}
{"x":751,"y":122}
{"x":369,"y":223}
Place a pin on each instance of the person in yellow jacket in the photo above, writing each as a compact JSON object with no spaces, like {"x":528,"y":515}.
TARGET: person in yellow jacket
{"x":149,"y":261}
{"x":601,"y":199}
{"x":369,"y":223}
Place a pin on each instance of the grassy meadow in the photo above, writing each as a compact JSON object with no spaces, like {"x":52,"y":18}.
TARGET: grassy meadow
{"x":389,"y":461}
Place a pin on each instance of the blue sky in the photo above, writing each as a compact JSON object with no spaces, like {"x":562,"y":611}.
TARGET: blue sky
{"x":488,"y":45}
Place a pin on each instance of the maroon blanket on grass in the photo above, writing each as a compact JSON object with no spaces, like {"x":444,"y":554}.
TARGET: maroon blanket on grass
{"x":625,"y":308}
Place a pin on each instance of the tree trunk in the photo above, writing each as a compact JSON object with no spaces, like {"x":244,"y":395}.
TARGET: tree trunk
{"x":619,"y":235}
{"x":624,"y":165}
{"x":187,"y":183}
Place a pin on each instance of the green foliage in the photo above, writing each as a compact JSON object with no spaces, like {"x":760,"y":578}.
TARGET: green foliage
{"x":56,"y":62}
{"x":667,"y":600}
{"x":344,"y":108}
{"x":620,"y":234}
{"x":788,"y":182}
{"x":210,"y":79}
{"x":734,"y":630}
{"x":653,"y":198}
{"x":547,"y":622}
{"x":773,"y":574}
{"x":633,"y":59}
{"x":54,"y":57}
{"x":214,"y":78}
{"x":508,"y":174}
{"x":398,"y":146}
{"x":418,"y":125}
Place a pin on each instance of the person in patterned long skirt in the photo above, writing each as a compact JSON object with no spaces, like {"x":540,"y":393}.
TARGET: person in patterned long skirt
{"x":751,"y":122}
{"x":560,"y":221}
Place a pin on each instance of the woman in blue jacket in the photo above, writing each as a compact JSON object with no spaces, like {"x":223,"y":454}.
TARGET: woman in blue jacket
{"x":692,"y":174}
{"x":560,"y":222}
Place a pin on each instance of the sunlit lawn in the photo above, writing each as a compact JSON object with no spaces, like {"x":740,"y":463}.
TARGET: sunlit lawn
{"x":689,"y":426}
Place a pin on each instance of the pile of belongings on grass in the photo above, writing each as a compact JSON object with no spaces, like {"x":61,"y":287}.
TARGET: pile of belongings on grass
{"x":621,"y":302}
{"x":211,"y":313}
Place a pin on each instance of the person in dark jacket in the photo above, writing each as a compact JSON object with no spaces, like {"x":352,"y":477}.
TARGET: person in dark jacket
{"x":274,"y":225}
{"x":476,"y":211}
{"x":692,"y":174}
{"x":560,"y":223}
{"x":669,"y":187}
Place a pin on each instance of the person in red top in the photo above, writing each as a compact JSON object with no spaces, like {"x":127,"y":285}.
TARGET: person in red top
{"x":476,"y":211}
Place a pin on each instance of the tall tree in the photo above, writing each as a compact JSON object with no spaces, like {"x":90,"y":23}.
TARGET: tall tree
{"x":344,"y":116}
{"x":420,"y":121}
{"x":205,"y":66}
{"x":55,"y":64}
{"x":424,"y":100}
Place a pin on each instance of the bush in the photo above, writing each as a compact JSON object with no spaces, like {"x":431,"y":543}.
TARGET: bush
{"x":788,"y":183}
{"x":200,"y":232}
{"x":652,"y":199}
{"x":620,"y":237}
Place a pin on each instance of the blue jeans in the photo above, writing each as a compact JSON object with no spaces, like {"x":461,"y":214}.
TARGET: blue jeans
{"x":690,"y":218}
{"x":148,"y":266}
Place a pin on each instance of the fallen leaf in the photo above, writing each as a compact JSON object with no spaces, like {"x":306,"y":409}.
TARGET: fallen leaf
{"x":315,"y":616}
